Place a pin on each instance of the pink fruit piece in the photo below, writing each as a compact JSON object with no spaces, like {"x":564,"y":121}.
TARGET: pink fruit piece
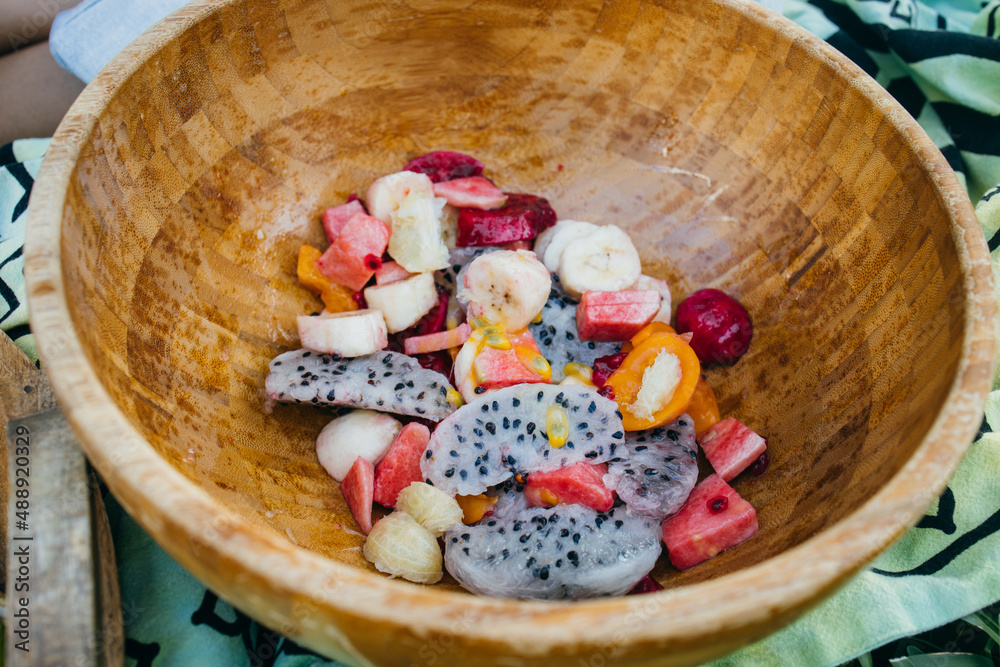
{"x":336,"y":217}
{"x":344,"y":262}
{"x":445,"y":165}
{"x":731,"y":447}
{"x":442,"y":340}
{"x":617,"y":315}
{"x":646,"y":585}
{"x":720,"y":325}
{"x":580,"y":484}
{"x":401,"y":464}
{"x":358,"y":489}
{"x":494,"y":368}
{"x":472,"y":192}
{"x":390,"y":272}
{"x":697,"y":532}
{"x":522,"y":217}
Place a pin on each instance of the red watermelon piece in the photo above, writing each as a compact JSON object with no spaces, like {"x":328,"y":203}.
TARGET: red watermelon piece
{"x":580,"y":484}
{"x":495,"y":368}
{"x":391,"y":272}
{"x":731,"y":447}
{"x":401,"y":464}
{"x":356,"y":253}
{"x":336,"y":217}
{"x":358,"y":488}
{"x":613,"y":316}
{"x":713,"y":519}
{"x":473,"y":192}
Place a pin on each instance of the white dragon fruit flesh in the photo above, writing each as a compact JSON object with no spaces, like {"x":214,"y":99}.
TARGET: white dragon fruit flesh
{"x":566,"y":551}
{"x":504,"y":433}
{"x":384,"y":381}
{"x":657,"y":470}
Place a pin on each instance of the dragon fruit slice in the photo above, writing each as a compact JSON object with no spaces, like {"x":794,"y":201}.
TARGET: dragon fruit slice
{"x":384,"y":381}
{"x":506,"y":432}
{"x":660,"y":470}
{"x":567,"y":551}
{"x":559,"y":339}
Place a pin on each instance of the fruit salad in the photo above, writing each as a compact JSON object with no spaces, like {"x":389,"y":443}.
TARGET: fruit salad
{"x":513,"y":400}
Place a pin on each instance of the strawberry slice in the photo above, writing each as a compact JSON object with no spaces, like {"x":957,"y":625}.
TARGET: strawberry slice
{"x":401,"y":464}
{"x":713,"y":519}
{"x":474,"y":192}
{"x":442,"y":340}
{"x":445,"y":165}
{"x":731,"y":447}
{"x":336,"y":217}
{"x":347,"y":260}
{"x":390,"y":272}
{"x":580,"y":484}
{"x":613,"y":316}
{"x":358,"y":488}
{"x":522,"y":217}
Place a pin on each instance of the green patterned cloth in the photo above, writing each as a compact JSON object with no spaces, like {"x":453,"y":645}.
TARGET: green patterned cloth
{"x":941,"y":60}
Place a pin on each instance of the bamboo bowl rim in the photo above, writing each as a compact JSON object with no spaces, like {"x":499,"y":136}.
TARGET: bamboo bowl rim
{"x":167,"y":504}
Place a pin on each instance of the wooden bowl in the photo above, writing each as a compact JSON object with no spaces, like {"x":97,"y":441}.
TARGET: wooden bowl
{"x":737,"y":150}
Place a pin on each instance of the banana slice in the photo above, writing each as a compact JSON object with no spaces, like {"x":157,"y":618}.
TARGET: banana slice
{"x":403,"y":302}
{"x":385,"y":194}
{"x":604,"y":260}
{"x":550,"y":244}
{"x":449,"y":226}
{"x":351,"y":334}
{"x":507,"y":287}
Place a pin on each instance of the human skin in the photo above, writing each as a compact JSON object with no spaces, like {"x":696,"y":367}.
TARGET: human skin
{"x":37,"y":92}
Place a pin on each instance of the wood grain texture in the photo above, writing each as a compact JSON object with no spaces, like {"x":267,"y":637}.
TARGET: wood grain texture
{"x":16,"y":374}
{"x":740,"y":151}
{"x":54,"y":554}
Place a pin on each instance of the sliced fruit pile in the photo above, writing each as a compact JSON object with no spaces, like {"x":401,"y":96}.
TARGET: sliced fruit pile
{"x":516,"y":391}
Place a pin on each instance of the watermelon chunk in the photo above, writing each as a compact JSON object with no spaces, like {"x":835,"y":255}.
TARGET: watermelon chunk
{"x":580,"y":484}
{"x":613,"y":316}
{"x":401,"y":464}
{"x":473,"y":192}
{"x":347,"y":260}
{"x":522,"y":217}
{"x":358,"y":489}
{"x":390,"y":272}
{"x":731,"y":447}
{"x":714,"y":518}
{"x":336,"y":217}
{"x":433,"y":342}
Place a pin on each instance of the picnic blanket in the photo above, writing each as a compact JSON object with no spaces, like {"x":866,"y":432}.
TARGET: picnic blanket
{"x":941,"y":60}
